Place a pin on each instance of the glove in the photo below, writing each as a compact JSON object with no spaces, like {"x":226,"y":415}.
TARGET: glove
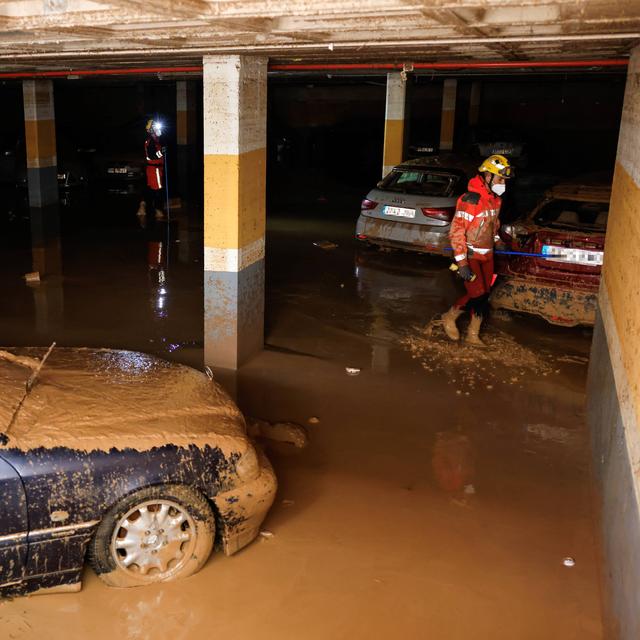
{"x":465,"y":273}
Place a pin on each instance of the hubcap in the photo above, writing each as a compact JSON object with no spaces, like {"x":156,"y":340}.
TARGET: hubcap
{"x":154,"y":539}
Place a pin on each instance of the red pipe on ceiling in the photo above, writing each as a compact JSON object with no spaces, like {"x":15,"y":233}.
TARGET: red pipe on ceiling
{"x":101,"y":72}
{"x":373,"y":66}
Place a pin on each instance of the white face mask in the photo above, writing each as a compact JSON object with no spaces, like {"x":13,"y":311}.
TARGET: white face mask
{"x":498,"y":189}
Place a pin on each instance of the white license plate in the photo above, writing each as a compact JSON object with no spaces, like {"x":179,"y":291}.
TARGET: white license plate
{"x":399,"y":212}
{"x":573,"y":256}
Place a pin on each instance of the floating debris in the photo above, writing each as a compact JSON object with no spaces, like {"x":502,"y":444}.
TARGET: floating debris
{"x":327,"y":245}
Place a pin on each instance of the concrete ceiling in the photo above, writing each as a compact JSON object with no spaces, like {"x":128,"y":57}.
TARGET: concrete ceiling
{"x":50,"y":34}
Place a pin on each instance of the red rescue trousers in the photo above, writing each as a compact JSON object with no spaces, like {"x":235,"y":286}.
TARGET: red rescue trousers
{"x":481,"y":286}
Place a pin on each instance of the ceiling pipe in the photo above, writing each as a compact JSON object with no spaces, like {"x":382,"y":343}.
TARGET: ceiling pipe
{"x":125,"y":71}
{"x":373,"y":66}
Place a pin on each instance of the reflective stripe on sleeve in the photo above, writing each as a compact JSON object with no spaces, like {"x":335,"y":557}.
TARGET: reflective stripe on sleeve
{"x":464,"y":215}
{"x":460,"y":256}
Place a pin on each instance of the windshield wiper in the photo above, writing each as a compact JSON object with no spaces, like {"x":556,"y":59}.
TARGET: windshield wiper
{"x":28,"y":386}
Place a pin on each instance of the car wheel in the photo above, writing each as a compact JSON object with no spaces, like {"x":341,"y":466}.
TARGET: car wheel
{"x":153,"y":535}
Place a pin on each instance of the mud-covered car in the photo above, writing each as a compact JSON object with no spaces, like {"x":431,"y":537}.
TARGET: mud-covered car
{"x":567,"y":233}
{"x":135,"y":463}
{"x":412,"y":207}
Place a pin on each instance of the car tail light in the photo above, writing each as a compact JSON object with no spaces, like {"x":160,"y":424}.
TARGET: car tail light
{"x":361,"y":236}
{"x":367,"y":204}
{"x":440,"y":213}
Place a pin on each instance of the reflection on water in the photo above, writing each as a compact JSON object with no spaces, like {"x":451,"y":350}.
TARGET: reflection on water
{"x":103,"y":280}
{"x":141,"y":617}
{"x":452,"y":461}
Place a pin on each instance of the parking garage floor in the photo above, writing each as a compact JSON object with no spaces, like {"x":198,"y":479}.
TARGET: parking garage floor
{"x":439,"y":495}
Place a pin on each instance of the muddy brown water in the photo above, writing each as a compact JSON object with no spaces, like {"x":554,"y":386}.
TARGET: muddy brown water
{"x":415,"y":511}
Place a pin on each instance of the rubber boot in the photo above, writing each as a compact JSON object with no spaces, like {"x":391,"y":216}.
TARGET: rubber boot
{"x":449,"y":322}
{"x":142,"y":209}
{"x":472,"y":332}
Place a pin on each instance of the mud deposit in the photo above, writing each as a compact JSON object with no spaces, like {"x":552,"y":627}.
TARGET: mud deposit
{"x":504,"y":361}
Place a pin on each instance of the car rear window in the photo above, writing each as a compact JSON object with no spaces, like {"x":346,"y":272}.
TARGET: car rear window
{"x":420,"y":182}
{"x":571,"y":214}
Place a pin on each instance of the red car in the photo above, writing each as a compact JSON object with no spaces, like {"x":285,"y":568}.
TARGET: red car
{"x":562,"y":241}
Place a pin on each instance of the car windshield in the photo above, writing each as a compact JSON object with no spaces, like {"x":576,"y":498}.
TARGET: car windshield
{"x":420,"y":182}
{"x":571,"y":214}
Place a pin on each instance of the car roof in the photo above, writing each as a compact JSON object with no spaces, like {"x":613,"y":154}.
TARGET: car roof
{"x":583,"y":192}
{"x":441,"y":161}
{"x":106,"y":398}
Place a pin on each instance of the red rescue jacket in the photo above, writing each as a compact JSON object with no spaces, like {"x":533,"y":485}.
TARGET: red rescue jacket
{"x":155,"y":162}
{"x":476,"y":222}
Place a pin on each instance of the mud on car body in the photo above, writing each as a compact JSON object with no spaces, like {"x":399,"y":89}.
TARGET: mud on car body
{"x":136,"y":463}
{"x":567,"y":229}
{"x":412,"y":207}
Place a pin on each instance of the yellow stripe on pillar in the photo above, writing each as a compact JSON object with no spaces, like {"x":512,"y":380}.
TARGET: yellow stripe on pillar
{"x":448,"y":114}
{"x":393,"y":151}
{"x":234,"y":199}
{"x":622,"y":253}
{"x":393,"y":143}
{"x":181,"y":127}
{"x":40,"y":138}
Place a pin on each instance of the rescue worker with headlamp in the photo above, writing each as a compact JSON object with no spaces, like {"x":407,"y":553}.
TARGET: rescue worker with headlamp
{"x":474,"y":231}
{"x":154,"y":155}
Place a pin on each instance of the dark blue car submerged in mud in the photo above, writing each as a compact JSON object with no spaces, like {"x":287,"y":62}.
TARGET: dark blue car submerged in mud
{"x":135,"y":463}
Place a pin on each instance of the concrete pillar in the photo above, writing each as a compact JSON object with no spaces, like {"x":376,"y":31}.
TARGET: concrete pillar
{"x":474,"y":103}
{"x":185,"y":132}
{"x":235,"y":110}
{"x":394,"y":122}
{"x":448,"y":114}
{"x":40,"y":136}
{"x":614,"y":378}
{"x":42,"y":170}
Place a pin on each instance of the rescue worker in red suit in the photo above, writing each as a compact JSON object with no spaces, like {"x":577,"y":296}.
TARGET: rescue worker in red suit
{"x":474,"y":231}
{"x":154,"y":197}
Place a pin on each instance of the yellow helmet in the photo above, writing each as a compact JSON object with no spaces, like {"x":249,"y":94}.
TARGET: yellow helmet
{"x":498,"y":165}
{"x":149,"y":124}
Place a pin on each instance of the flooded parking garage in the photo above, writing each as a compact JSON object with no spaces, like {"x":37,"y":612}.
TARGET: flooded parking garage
{"x":446,"y":489}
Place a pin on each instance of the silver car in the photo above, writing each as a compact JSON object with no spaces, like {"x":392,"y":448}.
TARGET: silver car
{"x":412,"y":207}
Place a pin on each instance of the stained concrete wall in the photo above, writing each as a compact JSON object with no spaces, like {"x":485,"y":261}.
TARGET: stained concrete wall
{"x":614,"y":378}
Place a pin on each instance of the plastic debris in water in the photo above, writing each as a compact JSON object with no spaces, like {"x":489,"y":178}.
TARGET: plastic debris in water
{"x":287,"y":503}
{"x":569,"y":562}
{"x":266,"y":534}
{"x":313,"y":420}
{"x":33,"y":277}
{"x":352,"y":371}
{"x":469,"y":489}
{"x":327,"y":245}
